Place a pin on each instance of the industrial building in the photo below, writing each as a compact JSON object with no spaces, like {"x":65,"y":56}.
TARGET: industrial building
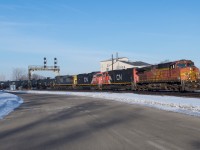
{"x":119,"y":63}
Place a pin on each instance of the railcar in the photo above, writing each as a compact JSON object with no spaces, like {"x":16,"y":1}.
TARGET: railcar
{"x":4,"y":85}
{"x":64,"y":82}
{"x":16,"y":83}
{"x":84,"y":80}
{"x":24,"y":84}
{"x":176,"y":76}
{"x":45,"y":83}
{"x":116,"y":79}
{"x":34,"y":84}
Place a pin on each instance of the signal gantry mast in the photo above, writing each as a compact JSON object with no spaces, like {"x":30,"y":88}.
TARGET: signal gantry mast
{"x":54,"y":68}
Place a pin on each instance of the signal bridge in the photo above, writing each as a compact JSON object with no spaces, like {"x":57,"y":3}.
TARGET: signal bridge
{"x":55,"y":69}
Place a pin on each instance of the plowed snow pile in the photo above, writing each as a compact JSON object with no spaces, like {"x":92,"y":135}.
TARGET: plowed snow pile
{"x":189,"y":106}
{"x":8,"y":102}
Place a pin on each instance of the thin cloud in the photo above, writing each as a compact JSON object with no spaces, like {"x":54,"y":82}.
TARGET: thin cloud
{"x":10,"y":7}
{"x":14,"y":7}
{"x":21,"y":24}
{"x":166,"y":35}
{"x":59,"y":7}
{"x":75,"y":10}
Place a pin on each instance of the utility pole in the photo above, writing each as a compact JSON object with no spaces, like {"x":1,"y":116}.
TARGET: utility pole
{"x":117,"y":60}
{"x":112,"y":62}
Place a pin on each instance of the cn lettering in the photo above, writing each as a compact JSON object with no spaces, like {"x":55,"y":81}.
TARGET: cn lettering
{"x":85,"y":80}
{"x":119,"y":77}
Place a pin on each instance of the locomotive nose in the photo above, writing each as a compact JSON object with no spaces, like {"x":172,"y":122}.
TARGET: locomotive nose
{"x":193,"y":74}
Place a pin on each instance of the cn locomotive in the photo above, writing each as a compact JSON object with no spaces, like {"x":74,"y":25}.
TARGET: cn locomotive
{"x":181,"y":75}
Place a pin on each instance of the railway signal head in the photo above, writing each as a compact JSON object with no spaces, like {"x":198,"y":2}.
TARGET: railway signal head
{"x":45,"y":62}
{"x":55,"y":62}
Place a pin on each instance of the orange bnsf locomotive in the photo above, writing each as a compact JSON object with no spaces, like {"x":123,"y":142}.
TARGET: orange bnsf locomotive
{"x":174,"y":76}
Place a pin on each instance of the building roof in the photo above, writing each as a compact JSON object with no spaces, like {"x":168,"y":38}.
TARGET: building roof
{"x":113,"y":59}
{"x":136,"y":63}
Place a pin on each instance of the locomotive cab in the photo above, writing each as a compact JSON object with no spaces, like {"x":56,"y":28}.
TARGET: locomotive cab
{"x":182,"y":64}
{"x":188,"y":71}
{"x":185,"y":64}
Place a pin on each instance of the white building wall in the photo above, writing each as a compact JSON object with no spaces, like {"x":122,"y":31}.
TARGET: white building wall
{"x":116,"y":66}
{"x":120,"y":65}
{"x":107,"y":65}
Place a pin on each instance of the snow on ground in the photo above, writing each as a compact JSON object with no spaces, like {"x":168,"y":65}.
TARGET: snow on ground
{"x":8,"y":102}
{"x":189,"y":106}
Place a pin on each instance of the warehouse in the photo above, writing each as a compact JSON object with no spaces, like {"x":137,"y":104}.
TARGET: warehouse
{"x":120,"y":63}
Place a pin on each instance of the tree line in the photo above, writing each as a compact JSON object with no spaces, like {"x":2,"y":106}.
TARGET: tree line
{"x":21,"y":74}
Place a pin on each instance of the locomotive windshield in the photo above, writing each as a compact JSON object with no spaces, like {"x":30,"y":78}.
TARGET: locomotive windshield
{"x":190,"y":64}
{"x":185,"y":64}
{"x":181,"y":65}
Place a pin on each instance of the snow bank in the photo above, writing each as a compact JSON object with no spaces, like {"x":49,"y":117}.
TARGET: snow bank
{"x":8,"y":102}
{"x":189,"y":106}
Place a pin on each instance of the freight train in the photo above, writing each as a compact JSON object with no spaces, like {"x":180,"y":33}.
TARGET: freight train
{"x":181,"y":75}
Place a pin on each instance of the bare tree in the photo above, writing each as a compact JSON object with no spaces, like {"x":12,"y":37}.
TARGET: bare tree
{"x":2,"y":77}
{"x":19,"y":74}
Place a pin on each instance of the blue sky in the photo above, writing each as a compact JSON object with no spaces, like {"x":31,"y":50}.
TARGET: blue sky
{"x":81,"y":33}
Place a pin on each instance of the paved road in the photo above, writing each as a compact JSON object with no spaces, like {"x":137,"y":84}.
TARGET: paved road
{"x":56,"y":122}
